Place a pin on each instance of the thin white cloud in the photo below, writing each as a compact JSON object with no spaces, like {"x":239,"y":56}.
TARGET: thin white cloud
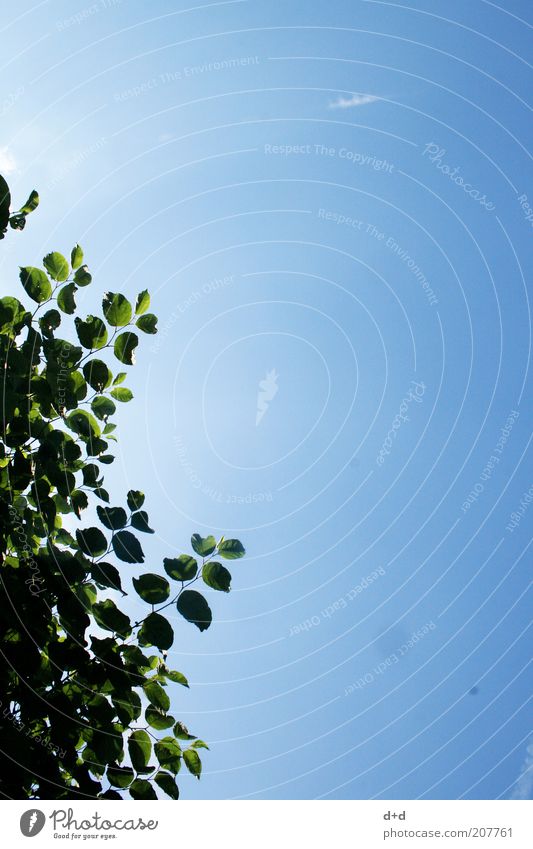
{"x":523,"y":788}
{"x":7,"y":161}
{"x":354,"y":100}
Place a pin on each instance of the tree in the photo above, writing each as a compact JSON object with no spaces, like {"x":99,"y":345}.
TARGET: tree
{"x":85,"y":706}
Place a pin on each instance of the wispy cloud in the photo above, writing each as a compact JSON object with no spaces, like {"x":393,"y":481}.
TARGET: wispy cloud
{"x":523,"y":788}
{"x":354,"y":100}
{"x":7,"y":161}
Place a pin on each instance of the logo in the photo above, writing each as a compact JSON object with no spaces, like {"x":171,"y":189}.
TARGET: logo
{"x":267,"y":390}
{"x":32,"y":822}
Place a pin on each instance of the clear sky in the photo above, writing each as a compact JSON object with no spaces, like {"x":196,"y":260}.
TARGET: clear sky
{"x":329,"y":205}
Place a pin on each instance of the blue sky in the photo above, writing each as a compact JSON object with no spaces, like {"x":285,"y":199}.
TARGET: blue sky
{"x":329,"y":206}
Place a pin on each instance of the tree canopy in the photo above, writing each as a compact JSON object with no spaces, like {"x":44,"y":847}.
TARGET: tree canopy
{"x":86,"y":693}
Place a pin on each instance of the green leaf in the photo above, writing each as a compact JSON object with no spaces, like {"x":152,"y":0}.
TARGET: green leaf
{"x":182,"y":732}
{"x":65,"y":299}
{"x":127,"y":547}
{"x":76,"y":257}
{"x":5,"y":203}
{"x":168,"y":753}
{"x":124,"y":348}
{"x":231,"y":549}
{"x":31,"y":204}
{"x":158,"y":720}
{"x":182,"y":568}
{"x":142,"y":789}
{"x":199,"y":744}
{"x":203,"y":546}
{"x":176,"y":677}
{"x":102,"y":408}
{"x":135,"y":499}
{"x":113,"y":518}
{"x":36,"y":284}
{"x":82,"y":423}
{"x":216,"y":576}
{"x":56,"y":266}
{"x":156,"y":695}
{"x":152,"y":588}
{"x":121,"y":393}
{"x":117,"y":309}
{"x":79,"y":501}
{"x":92,"y":332}
{"x":97,"y":374}
{"x":106,"y":575}
{"x":120,"y":776}
{"x":82,"y":276}
{"x":156,"y":631}
{"x":194,"y":608}
{"x":120,"y":378}
{"x":193,"y":762}
{"x":92,"y":541}
{"x":139,"y":521}
{"x":147,"y":323}
{"x":142,"y":303}
{"x":167,"y":784}
{"x":140,"y":749}
{"x":108,"y":616}
{"x":49,"y":322}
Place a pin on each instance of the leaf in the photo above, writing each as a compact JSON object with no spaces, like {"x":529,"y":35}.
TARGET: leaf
{"x":79,"y":501}
{"x":65,"y":299}
{"x":102,"y":408}
{"x":152,"y":588}
{"x":120,"y":378}
{"x":124,"y":348}
{"x":193,"y":762}
{"x":106,"y":575}
{"x":92,"y":541}
{"x":194,"y":608}
{"x":199,"y":744}
{"x":56,"y":266}
{"x":82,"y":423}
{"x":108,"y":616}
{"x":117,"y":309}
{"x":141,"y":789}
{"x":140,"y":749}
{"x":5,"y":203}
{"x":97,"y":374}
{"x":92,"y":332}
{"x":113,"y":518}
{"x":156,"y":631}
{"x":167,"y":784}
{"x":216,"y":576}
{"x":203,"y":546}
{"x":231,"y":549}
{"x":76,"y":257}
{"x":147,"y":323}
{"x":120,"y":776}
{"x":156,"y":695}
{"x":168,"y":753}
{"x":121,"y":393}
{"x":182,"y":568}
{"x":31,"y":204}
{"x":139,"y":521}
{"x":49,"y":322}
{"x":176,"y":677}
{"x":127,"y":547}
{"x":182,"y":732}
{"x":142,"y":303}
{"x":158,"y":720}
{"x":36,"y":284}
{"x":82,"y":276}
{"x":135,"y":499}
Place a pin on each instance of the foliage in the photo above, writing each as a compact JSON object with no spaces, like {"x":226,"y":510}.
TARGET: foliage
{"x":86,"y":691}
